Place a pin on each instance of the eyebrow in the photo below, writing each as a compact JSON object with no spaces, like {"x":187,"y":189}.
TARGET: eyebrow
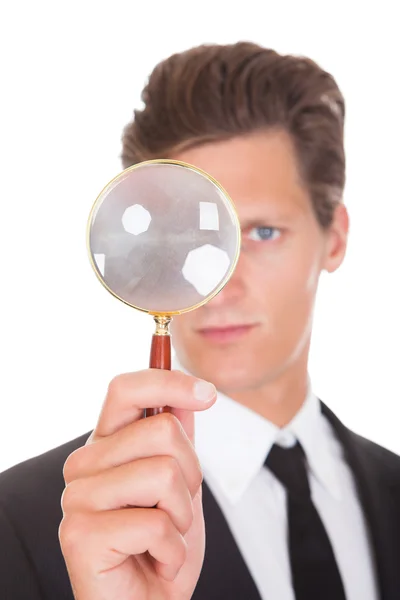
{"x":273,"y":212}
{"x":267,"y":219}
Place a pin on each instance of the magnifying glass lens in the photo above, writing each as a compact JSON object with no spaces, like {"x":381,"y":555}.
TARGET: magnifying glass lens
{"x":163,"y":237}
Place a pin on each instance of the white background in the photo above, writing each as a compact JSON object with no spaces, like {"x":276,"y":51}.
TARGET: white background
{"x":71,"y":75}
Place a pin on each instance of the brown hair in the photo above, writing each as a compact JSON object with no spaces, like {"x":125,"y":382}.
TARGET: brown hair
{"x":215,"y":92}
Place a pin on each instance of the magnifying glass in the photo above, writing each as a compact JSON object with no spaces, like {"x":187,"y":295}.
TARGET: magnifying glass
{"x":163,"y":237}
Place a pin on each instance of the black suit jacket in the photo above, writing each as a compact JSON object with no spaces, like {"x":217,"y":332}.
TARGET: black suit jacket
{"x":32,"y":566}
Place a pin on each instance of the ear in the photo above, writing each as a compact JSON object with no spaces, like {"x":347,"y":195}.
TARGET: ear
{"x":336,"y":240}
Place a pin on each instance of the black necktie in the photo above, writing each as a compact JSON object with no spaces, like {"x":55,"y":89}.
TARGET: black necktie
{"x":315,"y":574}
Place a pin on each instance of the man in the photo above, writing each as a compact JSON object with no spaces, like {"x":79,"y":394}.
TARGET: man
{"x":295,"y":505}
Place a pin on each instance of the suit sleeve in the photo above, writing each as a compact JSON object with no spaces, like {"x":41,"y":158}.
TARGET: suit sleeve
{"x":18,"y":579}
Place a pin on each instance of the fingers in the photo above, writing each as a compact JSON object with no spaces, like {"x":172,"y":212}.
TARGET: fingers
{"x":99,"y":542}
{"x":156,"y":481}
{"x":128,"y":394}
{"x":162,"y":435}
{"x":110,"y":537}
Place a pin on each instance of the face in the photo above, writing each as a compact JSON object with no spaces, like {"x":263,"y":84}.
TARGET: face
{"x":258,"y":327}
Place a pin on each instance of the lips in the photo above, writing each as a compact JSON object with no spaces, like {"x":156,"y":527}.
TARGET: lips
{"x":227,"y":333}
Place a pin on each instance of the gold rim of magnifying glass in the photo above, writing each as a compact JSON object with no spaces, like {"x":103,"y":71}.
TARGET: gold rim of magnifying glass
{"x":191,"y":168}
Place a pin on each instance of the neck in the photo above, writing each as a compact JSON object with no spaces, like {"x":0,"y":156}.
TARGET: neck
{"x":280,"y":398}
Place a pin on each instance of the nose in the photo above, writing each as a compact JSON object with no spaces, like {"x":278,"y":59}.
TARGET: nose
{"x":233,"y":291}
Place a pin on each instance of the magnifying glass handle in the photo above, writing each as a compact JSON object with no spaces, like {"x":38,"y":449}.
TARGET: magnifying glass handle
{"x":160,"y":356}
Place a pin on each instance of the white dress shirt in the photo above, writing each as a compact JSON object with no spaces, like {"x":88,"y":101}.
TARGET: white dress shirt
{"x":232,"y":443}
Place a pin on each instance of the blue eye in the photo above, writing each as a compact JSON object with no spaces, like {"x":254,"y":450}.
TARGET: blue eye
{"x":260,"y":234}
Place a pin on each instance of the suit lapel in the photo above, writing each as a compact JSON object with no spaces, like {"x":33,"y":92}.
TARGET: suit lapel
{"x":379,"y":505}
{"x":224,"y":574}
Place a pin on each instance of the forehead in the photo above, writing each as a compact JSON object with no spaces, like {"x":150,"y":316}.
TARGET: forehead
{"x":259,"y":171}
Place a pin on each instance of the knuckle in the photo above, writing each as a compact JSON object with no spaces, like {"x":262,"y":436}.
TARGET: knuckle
{"x":181,"y":552}
{"x":72,"y":531}
{"x":162,"y":524}
{"x":171,"y":472}
{"x":170,"y":427}
{"x":72,"y":464}
{"x":180,"y":377}
{"x":187,"y":518}
{"x":70,"y":496}
{"x":115,"y":386}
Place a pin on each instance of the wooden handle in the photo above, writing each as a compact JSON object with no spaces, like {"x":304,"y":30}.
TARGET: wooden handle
{"x":160,"y":358}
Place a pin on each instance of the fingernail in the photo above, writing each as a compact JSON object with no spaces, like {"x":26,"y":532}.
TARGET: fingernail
{"x":203,"y":390}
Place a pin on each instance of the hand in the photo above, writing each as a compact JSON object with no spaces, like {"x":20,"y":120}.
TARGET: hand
{"x":133,"y":525}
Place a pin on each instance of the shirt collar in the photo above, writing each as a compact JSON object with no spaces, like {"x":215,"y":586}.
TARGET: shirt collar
{"x":312,"y":430}
{"x":233,"y":441}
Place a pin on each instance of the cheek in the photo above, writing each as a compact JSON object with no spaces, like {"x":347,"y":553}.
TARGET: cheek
{"x":286,"y":286}
{"x":282,"y":274}
{"x":299,"y":287}
{"x":181,"y":326}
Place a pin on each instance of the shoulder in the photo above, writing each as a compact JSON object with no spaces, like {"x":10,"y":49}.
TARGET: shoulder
{"x":375,"y":459}
{"x":386,"y":461}
{"x":30,"y":515}
{"x":38,"y":480}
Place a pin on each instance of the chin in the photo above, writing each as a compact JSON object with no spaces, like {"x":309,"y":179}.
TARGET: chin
{"x":228,"y":373}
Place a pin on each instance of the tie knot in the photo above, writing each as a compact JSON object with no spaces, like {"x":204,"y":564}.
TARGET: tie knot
{"x":289,"y":466}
